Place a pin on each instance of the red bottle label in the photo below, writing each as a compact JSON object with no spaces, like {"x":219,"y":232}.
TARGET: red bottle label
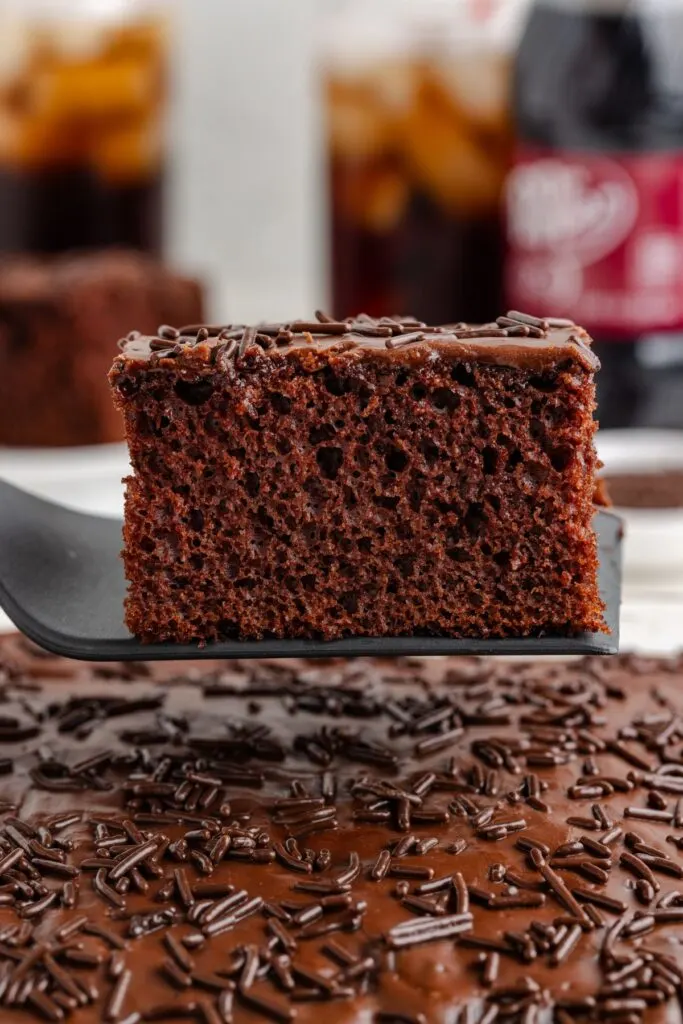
{"x":598,"y":238}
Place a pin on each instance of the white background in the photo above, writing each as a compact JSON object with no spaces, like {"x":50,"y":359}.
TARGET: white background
{"x":246,"y":203}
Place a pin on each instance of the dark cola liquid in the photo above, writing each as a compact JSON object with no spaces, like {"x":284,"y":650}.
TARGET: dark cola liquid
{"x":54,"y":210}
{"x":440,"y":268}
{"x":607,"y":78}
{"x":415,"y":191}
{"x":81,"y":150}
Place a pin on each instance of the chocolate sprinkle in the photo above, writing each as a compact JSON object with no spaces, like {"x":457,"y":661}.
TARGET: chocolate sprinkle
{"x":525,"y":336}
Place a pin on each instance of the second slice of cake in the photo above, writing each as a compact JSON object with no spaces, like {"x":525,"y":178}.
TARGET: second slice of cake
{"x":371,"y":477}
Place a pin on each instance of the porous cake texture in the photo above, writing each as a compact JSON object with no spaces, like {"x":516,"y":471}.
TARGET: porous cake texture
{"x":367,"y":477}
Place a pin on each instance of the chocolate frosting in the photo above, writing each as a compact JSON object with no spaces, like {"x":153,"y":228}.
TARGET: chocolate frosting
{"x":388,"y":841}
{"x":517,"y":339}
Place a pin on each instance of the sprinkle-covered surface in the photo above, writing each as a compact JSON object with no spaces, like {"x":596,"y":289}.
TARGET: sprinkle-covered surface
{"x":517,"y":339}
{"x":377,"y":841}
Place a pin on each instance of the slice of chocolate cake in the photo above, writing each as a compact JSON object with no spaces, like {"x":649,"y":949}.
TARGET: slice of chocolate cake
{"x":383,"y":842}
{"x":57,"y":318}
{"x":366,"y":477}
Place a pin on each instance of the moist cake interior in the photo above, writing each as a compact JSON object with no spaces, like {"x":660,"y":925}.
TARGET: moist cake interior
{"x":360,"y":478}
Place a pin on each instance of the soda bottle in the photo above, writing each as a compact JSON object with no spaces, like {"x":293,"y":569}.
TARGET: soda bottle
{"x":595,"y":197}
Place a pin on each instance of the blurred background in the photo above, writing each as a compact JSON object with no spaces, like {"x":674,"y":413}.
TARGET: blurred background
{"x":180,"y":160}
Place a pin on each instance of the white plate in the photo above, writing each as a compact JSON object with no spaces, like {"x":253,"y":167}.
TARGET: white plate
{"x":653,"y":545}
{"x":88,"y":478}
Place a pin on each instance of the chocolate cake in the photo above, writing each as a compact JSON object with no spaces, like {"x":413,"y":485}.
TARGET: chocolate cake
{"x":655,"y":490}
{"x":363,"y":477}
{"x":377,"y":841}
{"x":57,"y":319}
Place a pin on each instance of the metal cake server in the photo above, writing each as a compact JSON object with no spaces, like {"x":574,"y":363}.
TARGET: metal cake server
{"x":62,"y":584}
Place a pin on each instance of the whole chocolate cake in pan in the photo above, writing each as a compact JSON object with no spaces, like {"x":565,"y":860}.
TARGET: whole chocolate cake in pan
{"x":367,"y":477}
{"x":57,"y":318}
{"x":393,"y":842}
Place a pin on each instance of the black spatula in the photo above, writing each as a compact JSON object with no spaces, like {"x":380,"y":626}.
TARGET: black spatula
{"x":62,"y":584}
